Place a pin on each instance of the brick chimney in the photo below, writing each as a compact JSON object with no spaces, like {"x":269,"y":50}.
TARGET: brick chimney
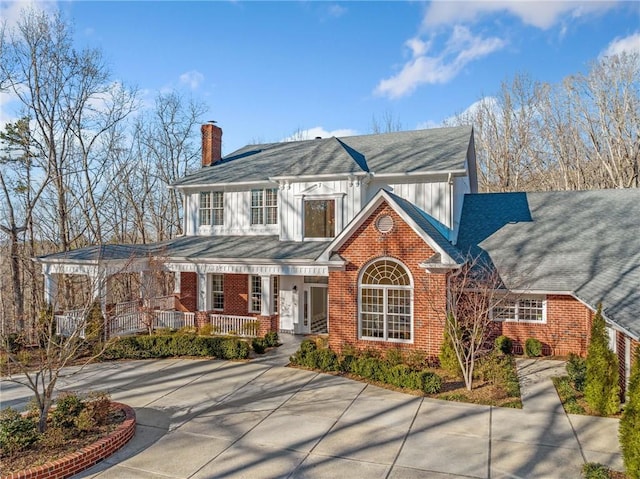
{"x":211,"y":144}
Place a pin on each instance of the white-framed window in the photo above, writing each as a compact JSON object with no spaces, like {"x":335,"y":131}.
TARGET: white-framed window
{"x":385,"y":302}
{"x":211,"y":208}
{"x":275,"y":286}
{"x":526,"y":309}
{"x":264,"y":206}
{"x":217,"y":292}
{"x":319,"y":218}
{"x":255,"y":294}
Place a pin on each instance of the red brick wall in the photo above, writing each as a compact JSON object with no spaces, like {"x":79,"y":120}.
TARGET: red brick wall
{"x":188,"y":291}
{"x":236,"y":293}
{"x":566,"y":331}
{"x":429,"y":295}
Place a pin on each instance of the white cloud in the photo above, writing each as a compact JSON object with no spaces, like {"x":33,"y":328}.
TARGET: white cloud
{"x":629,"y":44}
{"x":11,"y":11}
{"x":193,"y":79}
{"x":541,"y":14}
{"x":461,"y":48}
{"x":336,"y":10}
{"x":318,"y":131}
{"x":465,"y":116}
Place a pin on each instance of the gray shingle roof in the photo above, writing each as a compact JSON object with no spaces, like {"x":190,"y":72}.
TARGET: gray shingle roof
{"x":583,"y":242}
{"x":200,"y":248}
{"x":429,"y":226}
{"x":432,"y":150}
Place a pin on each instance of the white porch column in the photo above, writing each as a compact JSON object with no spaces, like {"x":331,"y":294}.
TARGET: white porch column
{"x":99,"y":290}
{"x":202,"y":292}
{"x":50,"y":289}
{"x":267,"y":297}
{"x":176,"y":282}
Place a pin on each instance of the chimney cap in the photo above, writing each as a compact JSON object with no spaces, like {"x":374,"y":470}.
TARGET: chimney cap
{"x":212,"y":122}
{"x":318,"y":138}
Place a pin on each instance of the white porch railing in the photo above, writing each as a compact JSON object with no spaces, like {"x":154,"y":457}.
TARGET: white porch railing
{"x":70,"y":322}
{"x":235,"y":325}
{"x":126,"y":307}
{"x":139,"y":321}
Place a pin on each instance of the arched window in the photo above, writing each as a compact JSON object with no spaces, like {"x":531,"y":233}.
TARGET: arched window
{"x":385,"y":302}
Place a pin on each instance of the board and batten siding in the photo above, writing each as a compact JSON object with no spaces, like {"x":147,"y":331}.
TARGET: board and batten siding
{"x":237,"y":215}
{"x":434,"y":198}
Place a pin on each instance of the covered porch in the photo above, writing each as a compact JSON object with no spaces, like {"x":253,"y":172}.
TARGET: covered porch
{"x":145,"y":287}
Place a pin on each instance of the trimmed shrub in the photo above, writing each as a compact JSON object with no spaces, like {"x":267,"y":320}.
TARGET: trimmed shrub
{"x":257,"y":344}
{"x":171,"y":345}
{"x":271,"y":339}
{"x":601,"y":390}
{"x":630,"y":422}
{"x":503,"y":344}
{"x":368,"y":368}
{"x":326,"y":360}
{"x":17,"y":432}
{"x":577,"y":371}
{"x":533,"y":348}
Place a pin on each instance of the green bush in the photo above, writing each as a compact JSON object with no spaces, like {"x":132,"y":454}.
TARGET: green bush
{"x":504,"y":344}
{"x":394,"y":357}
{"x":630,"y":422}
{"x":68,"y":407}
{"x":533,"y":348}
{"x":601,"y":391}
{"x":368,"y":368}
{"x":14,"y":342}
{"x":171,"y":345}
{"x":326,"y":360}
{"x":448,"y":359}
{"x":17,"y":432}
{"x":257,"y":344}
{"x":271,"y":339}
{"x":499,"y":370}
{"x":594,"y":470}
{"x":577,"y":371}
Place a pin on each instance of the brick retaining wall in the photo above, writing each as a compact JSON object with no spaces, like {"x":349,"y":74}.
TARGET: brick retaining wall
{"x":83,"y":459}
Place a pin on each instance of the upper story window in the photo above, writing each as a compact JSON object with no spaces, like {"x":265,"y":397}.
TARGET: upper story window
{"x":211,"y":208}
{"x":530,"y":309}
{"x":264,"y":206}
{"x":319,"y":218}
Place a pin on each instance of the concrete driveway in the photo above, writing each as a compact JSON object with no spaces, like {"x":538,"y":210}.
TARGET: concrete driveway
{"x":221,"y":419}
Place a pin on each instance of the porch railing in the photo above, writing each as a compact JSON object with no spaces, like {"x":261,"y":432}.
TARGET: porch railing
{"x":70,"y":322}
{"x":246,"y":326}
{"x":129,"y":323}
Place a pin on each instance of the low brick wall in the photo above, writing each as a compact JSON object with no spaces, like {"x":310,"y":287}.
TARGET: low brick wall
{"x":76,"y":462}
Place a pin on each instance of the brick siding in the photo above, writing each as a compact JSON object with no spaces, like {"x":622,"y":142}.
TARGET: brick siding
{"x":566,"y":331}
{"x":429,"y":290}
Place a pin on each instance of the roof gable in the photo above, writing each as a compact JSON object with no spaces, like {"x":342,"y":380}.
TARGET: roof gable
{"x":412,"y":215}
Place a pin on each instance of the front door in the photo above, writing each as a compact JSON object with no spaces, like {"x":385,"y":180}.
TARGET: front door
{"x":315,"y":309}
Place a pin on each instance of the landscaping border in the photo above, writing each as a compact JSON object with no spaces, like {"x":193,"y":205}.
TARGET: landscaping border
{"x":86,"y":457}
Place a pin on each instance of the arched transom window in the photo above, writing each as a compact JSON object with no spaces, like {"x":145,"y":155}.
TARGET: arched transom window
{"x":385,"y":302}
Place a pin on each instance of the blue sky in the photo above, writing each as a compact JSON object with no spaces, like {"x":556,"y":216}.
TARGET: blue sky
{"x":269,"y":69}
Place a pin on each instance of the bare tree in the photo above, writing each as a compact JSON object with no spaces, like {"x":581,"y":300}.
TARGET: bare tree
{"x":62,"y":341}
{"x":388,"y":123}
{"x":472,"y":292}
{"x":20,"y":194}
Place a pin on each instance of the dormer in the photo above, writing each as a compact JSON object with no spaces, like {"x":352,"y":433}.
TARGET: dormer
{"x":321,"y":212}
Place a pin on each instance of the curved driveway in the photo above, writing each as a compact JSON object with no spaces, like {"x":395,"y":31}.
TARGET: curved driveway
{"x":221,"y":419}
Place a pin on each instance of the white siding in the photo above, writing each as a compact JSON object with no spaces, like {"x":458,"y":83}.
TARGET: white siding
{"x":434,"y":198}
{"x":460,"y":188}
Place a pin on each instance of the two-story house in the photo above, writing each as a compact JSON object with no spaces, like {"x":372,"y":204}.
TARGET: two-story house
{"x":356,"y":237}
